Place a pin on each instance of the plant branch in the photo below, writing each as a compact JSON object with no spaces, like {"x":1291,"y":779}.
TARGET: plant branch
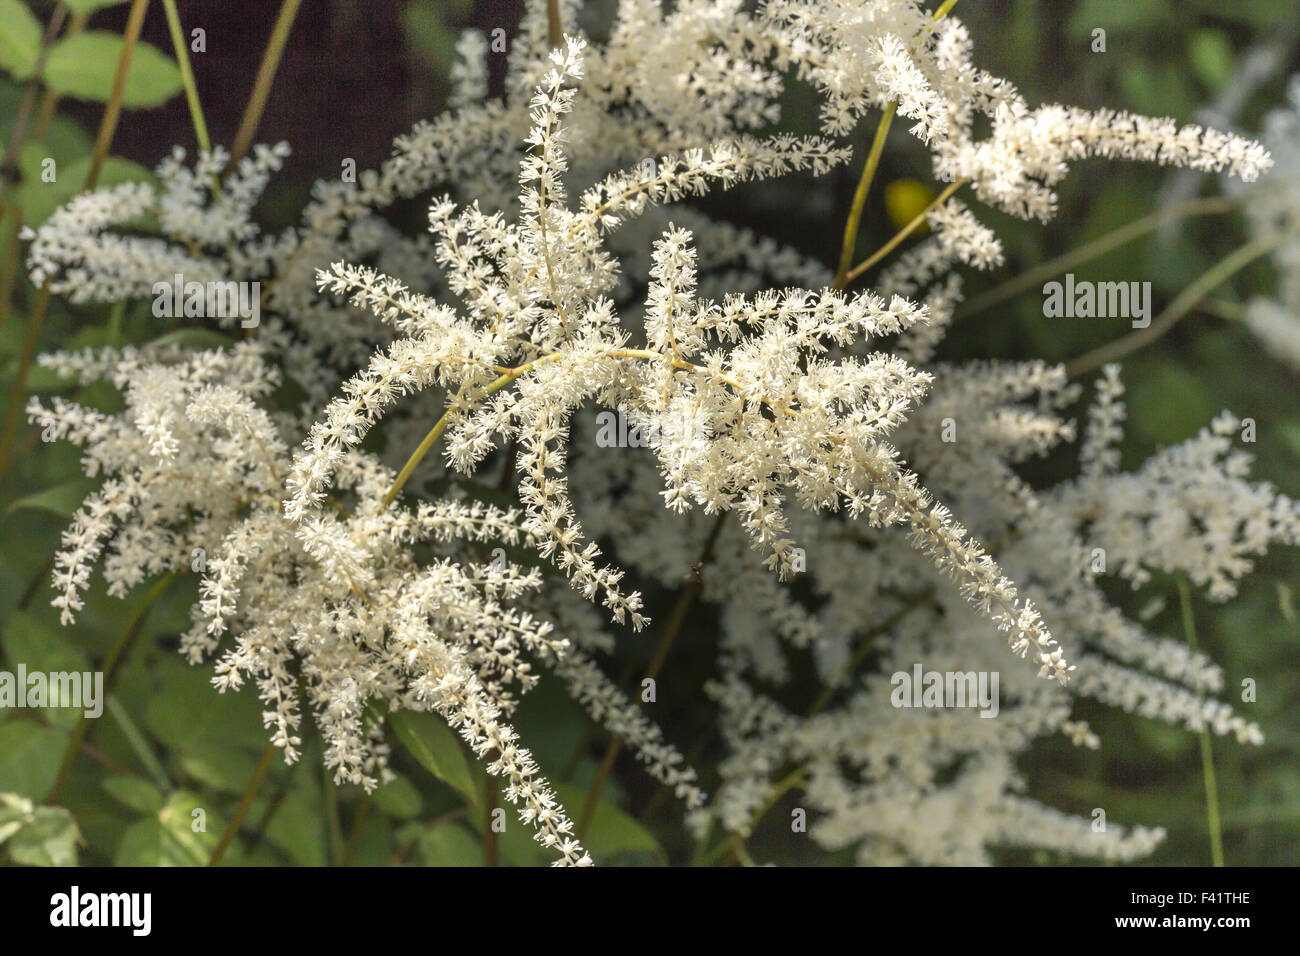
{"x":854,"y":222}
{"x":1182,"y":304}
{"x":1103,"y":244}
{"x":903,"y":233}
{"x":245,"y":805}
{"x":187,"y":76}
{"x":554,"y":26}
{"x":1207,"y":752}
{"x":671,"y":627}
{"x":265,"y":77}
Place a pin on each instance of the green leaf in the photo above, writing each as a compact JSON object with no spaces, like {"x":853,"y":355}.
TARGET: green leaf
{"x":1263,"y":15}
{"x":297,"y":829}
{"x":373,"y":844}
{"x":432,"y":743}
{"x":611,"y":831}
{"x":140,"y":795}
{"x":168,"y":838}
{"x":63,"y":499}
{"x":64,"y":137}
{"x":219,"y":766}
{"x":30,"y":757}
{"x":447,"y":844}
{"x":31,"y":641}
{"x":187,"y":713}
{"x":1161,"y":89}
{"x":15,"y":813}
{"x":84,"y":66}
{"x":428,"y":37}
{"x":1211,"y":54}
{"x":48,"y":840}
{"x":1113,"y":16}
{"x":398,"y":798}
{"x":20,"y":38}
{"x":38,"y":646}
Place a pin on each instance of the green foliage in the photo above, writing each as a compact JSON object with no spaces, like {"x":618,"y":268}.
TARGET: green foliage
{"x":399,"y":799}
{"x":84,"y":66}
{"x":612,"y":832}
{"x":442,"y":844}
{"x":20,"y":38}
{"x":139,"y":795}
{"x":428,"y":739}
{"x":167,"y":836}
{"x":29,"y":758}
{"x":37,"y":836}
{"x":63,"y":499}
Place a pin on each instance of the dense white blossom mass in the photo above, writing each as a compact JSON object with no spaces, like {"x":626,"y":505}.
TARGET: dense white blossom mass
{"x":345,"y":569}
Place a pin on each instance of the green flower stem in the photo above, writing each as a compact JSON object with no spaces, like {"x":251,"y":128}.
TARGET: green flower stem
{"x":441,"y":425}
{"x":187,"y":75}
{"x":265,"y":77}
{"x":854,"y":222}
{"x":138,"y":743}
{"x":1211,"y":206}
{"x":672,"y":626}
{"x":735,"y":843}
{"x":903,"y":233}
{"x":1184,"y":303}
{"x":1207,"y":753}
{"x":255,"y":784}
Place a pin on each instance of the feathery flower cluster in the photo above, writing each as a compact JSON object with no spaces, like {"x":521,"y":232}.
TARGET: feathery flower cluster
{"x":1273,"y":209}
{"x":793,"y":430}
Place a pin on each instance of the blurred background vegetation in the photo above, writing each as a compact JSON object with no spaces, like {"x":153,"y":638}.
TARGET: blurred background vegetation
{"x":354,"y":76}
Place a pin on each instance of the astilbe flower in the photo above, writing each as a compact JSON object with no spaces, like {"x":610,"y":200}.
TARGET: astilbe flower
{"x":757,"y":386}
{"x":1273,"y":212}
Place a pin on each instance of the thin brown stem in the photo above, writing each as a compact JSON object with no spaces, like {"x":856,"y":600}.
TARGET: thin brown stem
{"x":9,"y":163}
{"x":1209,"y":206}
{"x":254,"y":785}
{"x":868,"y":642}
{"x":903,"y":233}
{"x":554,"y":26}
{"x":265,"y":78}
{"x":671,"y":627}
{"x":854,"y":222}
{"x":1184,"y":303}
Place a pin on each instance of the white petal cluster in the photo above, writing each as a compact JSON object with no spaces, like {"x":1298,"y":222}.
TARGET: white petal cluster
{"x":846,"y":506}
{"x":1273,"y":209}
